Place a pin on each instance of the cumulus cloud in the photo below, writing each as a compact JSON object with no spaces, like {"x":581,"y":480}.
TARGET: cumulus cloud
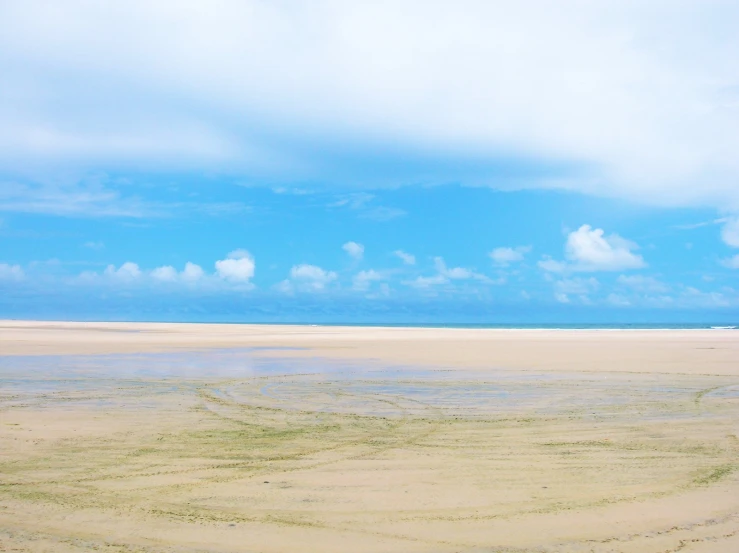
{"x":406,"y":258}
{"x":191,"y":273}
{"x":165,"y":274}
{"x":130,"y":272}
{"x":238,"y":267}
{"x":364,"y":279}
{"x":311,"y":277}
{"x":664,"y":87}
{"x":552,"y":265}
{"x":457,"y":273}
{"x":504,"y":256}
{"x":445,"y":275}
{"x":580,"y":287}
{"x":354,"y":249}
{"x":11,"y":272}
{"x":588,"y":249}
{"x":284,"y":287}
{"x":127,"y":272}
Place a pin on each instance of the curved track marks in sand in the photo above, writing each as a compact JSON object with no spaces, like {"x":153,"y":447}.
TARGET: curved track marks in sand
{"x":372,"y":461}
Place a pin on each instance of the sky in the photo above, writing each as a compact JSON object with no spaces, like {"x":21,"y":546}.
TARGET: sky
{"x":340,"y":161}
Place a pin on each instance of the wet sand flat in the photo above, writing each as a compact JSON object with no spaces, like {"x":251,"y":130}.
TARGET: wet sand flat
{"x":135,"y":437}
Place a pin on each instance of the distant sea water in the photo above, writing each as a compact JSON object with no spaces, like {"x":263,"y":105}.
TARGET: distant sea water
{"x":718,"y":325}
{"x":529,"y":326}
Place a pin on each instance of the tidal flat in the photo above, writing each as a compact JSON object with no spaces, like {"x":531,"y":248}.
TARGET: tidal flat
{"x":277,"y":445}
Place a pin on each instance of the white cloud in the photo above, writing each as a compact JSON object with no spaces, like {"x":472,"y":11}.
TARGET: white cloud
{"x":427,"y":282}
{"x":577,"y":285}
{"x":91,"y":197}
{"x":504,"y":256}
{"x":731,"y":262}
{"x":588,"y":249}
{"x":363,"y":279}
{"x":591,"y":250}
{"x":356,"y":200}
{"x":618,"y":300}
{"x":694,"y":297}
{"x":730,"y":232}
{"x":382,"y":213}
{"x":406,"y":258}
{"x":165,"y":274}
{"x":458,"y":273}
{"x":541,"y":88}
{"x":128,"y":271}
{"x":552,"y":265}
{"x":192,"y":272}
{"x":643,"y":283}
{"x":94,"y":245}
{"x":11,"y":272}
{"x":284,"y":287}
{"x":580,"y":287}
{"x":363,"y":203}
{"x":354,"y":250}
{"x":238,"y":267}
{"x":384,"y":290}
{"x":447,"y":274}
{"x":312,"y":277}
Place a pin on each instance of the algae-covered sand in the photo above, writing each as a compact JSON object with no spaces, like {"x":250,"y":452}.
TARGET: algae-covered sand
{"x":206,"y":438}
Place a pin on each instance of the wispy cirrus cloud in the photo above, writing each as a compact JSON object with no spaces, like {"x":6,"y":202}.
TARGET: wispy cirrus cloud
{"x":405,"y":257}
{"x":101,"y":197}
{"x":364,"y":204}
{"x":91,"y":198}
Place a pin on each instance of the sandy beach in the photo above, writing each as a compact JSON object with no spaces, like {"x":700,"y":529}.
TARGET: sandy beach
{"x":655,"y":351}
{"x":260,"y":438}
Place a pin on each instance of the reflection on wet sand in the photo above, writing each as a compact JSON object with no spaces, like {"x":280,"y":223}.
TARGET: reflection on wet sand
{"x":242,"y":450}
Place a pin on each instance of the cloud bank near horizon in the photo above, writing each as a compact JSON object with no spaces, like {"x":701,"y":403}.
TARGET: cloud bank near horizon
{"x":610,"y":98}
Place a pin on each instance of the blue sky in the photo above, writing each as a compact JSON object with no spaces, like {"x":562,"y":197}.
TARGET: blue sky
{"x":404,"y":162}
